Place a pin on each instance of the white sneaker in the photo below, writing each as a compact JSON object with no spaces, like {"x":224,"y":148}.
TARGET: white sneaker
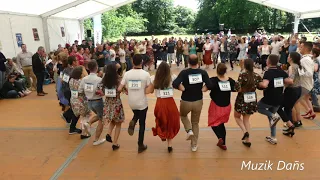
{"x":96,"y":143}
{"x":271,"y":140}
{"x":194,"y":148}
{"x":25,"y":93}
{"x":190,"y":135}
{"x":28,"y":91}
{"x":275,"y":118}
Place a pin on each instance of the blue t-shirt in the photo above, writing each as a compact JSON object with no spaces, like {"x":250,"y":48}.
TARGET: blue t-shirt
{"x":293,"y":48}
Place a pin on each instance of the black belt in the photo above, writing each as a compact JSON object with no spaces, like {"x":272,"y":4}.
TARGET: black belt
{"x":94,"y":99}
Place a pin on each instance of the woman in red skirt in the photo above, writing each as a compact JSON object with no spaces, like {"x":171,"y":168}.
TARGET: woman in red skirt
{"x":220,"y":106}
{"x":208,"y":51}
{"x":166,"y":111}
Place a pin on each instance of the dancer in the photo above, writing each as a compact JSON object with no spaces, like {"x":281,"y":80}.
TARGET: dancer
{"x":89,"y":86}
{"x":306,"y":76}
{"x":291,"y":94}
{"x":166,"y":111}
{"x":136,"y":80}
{"x":220,"y":106}
{"x":264,"y":51}
{"x":78,"y":101}
{"x":192,"y":80}
{"x":113,"y":109}
{"x":243,"y":52}
{"x":246,"y":102}
{"x":274,"y":80}
{"x":207,"y":55}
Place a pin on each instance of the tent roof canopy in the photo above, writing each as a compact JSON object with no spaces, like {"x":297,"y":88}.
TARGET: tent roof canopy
{"x":71,"y":9}
{"x":303,"y":9}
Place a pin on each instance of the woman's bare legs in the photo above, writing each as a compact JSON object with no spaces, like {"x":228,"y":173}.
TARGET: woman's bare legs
{"x":116,"y":133}
{"x":246,"y":123}
{"x":239,"y":121}
{"x":169,"y":142}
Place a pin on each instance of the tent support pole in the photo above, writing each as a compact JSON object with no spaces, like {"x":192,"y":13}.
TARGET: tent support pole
{"x":296,"y":23}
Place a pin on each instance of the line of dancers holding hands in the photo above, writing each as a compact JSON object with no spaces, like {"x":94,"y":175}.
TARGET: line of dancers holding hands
{"x":89,"y":92}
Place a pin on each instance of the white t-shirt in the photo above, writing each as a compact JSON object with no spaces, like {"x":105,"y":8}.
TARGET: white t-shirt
{"x":122,"y":55}
{"x":136,"y":81}
{"x":144,"y":47}
{"x":308,"y":67}
{"x":112,"y":52}
{"x":275,"y":48}
{"x":157,"y":91}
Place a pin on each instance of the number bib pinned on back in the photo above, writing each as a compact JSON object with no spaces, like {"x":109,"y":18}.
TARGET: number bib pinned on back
{"x":134,"y":84}
{"x":195,"y":78}
{"x":249,"y":97}
{"x":166,"y":93}
{"x":224,"y":86}
{"x":110,"y":92}
{"x":278,"y":82}
{"x":74,"y":94}
{"x":88,"y":87}
{"x":66,"y":78}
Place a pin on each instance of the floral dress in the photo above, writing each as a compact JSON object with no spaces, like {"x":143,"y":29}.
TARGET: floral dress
{"x":241,"y":106}
{"x":113,"y":109}
{"x":316,"y":84}
{"x":79,"y":103}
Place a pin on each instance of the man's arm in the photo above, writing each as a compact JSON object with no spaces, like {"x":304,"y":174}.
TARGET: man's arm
{"x":176,"y":83}
{"x":308,"y":71}
{"x":207,"y":80}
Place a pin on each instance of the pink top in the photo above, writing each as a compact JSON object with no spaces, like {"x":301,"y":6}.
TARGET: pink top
{"x":215,"y":46}
{"x":80,"y":59}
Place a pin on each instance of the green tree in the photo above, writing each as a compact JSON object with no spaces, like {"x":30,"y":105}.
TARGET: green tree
{"x":206,"y":17}
{"x":159,"y":13}
{"x":184,"y":17}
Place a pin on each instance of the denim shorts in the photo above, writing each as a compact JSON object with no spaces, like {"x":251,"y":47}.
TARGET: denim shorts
{"x":97,"y":107}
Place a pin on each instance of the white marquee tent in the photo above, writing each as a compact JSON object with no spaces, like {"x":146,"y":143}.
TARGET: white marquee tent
{"x":61,"y":21}
{"x":302,"y":9}
{"x":56,"y":21}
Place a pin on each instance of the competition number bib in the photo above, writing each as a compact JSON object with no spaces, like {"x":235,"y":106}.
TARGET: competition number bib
{"x":110,"y":92}
{"x":249,"y":97}
{"x":74,"y":94}
{"x":88,"y":87}
{"x":278,"y":82}
{"x":224,"y":86}
{"x":195,"y":78}
{"x":66,"y":78}
{"x":134,"y":84}
{"x":166,"y":93}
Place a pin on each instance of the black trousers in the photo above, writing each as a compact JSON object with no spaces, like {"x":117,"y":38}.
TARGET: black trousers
{"x":220,"y":132}
{"x":290,"y":97}
{"x":263,"y":61}
{"x":233,"y":57}
{"x":69,"y":115}
{"x":40,"y":80}
{"x":140,"y":115}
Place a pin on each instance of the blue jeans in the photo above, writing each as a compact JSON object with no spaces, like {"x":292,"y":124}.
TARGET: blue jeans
{"x":97,"y":107}
{"x":314,"y":99}
{"x":12,"y":94}
{"x":186,"y":60}
{"x":268,"y":110}
{"x":223,"y":56}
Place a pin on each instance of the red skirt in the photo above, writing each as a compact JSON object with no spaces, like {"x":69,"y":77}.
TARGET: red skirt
{"x":218,"y":115}
{"x":167,"y":119}
{"x":207,"y":57}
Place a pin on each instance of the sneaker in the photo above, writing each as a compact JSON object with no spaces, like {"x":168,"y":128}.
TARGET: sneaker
{"x":189,"y":135}
{"x":132,"y":124}
{"x":142,"y":148}
{"x":96,"y":143}
{"x":274,"y":120}
{"x":75,"y":131}
{"x":285,"y":125}
{"x":271,"y":140}
{"x":194,"y":148}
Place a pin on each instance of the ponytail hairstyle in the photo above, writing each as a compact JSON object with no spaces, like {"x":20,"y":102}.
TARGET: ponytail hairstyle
{"x":248,"y":65}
